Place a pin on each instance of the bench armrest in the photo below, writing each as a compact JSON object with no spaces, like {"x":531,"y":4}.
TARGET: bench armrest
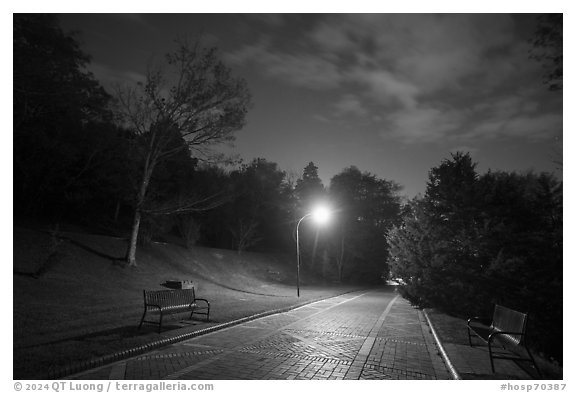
{"x":152,"y":305}
{"x":203,"y":300}
{"x":483,"y":321}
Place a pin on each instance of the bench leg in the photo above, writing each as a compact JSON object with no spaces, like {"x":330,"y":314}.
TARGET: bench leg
{"x":491,"y":358}
{"x":207,"y":314}
{"x":160,"y":324}
{"x":142,"y":319}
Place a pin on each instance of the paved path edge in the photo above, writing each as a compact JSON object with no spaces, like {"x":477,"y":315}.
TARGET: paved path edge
{"x":443,"y":353}
{"x":84,"y":365}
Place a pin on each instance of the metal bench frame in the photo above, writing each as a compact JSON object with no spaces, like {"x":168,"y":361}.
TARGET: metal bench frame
{"x":507,"y":328}
{"x":173,"y":301}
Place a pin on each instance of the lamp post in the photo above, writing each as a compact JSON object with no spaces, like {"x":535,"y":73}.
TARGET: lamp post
{"x":320,"y":214}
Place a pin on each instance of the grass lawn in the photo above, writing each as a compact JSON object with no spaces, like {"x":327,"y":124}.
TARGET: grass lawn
{"x":85,"y":303}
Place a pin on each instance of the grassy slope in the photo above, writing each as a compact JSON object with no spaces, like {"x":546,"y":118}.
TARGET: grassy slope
{"x":87,"y":304}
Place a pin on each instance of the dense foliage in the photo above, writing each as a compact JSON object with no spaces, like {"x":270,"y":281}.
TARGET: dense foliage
{"x":473,"y":241}
{"x":547,"y":49}
{"x":366,"y":207}
{"x":60,"y":112}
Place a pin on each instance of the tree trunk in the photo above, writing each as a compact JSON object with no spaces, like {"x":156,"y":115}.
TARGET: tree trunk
{"x":131,"y":255}
{"x":117,"y":212}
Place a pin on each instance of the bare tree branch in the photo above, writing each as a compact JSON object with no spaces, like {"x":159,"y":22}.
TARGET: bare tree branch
{"x":204,"y":106}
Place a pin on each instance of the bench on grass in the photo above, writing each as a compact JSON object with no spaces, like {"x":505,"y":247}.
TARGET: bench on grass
{"x":173,"y":301}
{"x":507,"y":329}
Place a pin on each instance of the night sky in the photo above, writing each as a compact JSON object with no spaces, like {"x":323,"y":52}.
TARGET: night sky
{"x":392,"y":94}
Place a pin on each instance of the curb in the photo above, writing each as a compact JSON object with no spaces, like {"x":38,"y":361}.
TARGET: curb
{"x":101,"y":361}
{"x":443,"y":353}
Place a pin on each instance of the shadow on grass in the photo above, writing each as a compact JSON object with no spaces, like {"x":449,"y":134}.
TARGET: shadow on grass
{"x":119,"y":261}
{"x":122,"y":333}
{"x":115,"y":260}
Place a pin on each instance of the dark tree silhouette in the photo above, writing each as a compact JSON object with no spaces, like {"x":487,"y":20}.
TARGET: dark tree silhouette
{"x":309,"y":188}
{"x":547,"y":48}
{"x":366,"y":208}
{"x":475,"y":240}
{"x":62,"y":130}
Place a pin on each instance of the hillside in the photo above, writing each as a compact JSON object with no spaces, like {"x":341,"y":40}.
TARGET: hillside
{"x":83,"y":302}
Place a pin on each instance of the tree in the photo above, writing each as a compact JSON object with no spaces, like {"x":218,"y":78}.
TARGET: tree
{"x":476,"y":240}
{"x":450,"y":187}
{"x":51,"y":84}
{"x":61,"y":113}
{"x":413,"y":245}
{"x":367,"y":207}
{"x":443,"y":229}
{"x":245,"y":234}
{"x":197,"y":101}
{"x":259,"y":211}
{"x":309,"y":188}
{"x":208,"y":226}
{"x":308,"y":192}
{"x":547,"y":48}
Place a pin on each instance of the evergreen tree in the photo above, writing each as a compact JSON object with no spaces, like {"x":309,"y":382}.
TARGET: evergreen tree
{"x":309,"y":189}
{"x":475,"y":241}
{"x":63,"y":137}
{"x":366,"y":208}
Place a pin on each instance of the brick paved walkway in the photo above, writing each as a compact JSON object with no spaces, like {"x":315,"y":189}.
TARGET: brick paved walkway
{"x":371,"y":335}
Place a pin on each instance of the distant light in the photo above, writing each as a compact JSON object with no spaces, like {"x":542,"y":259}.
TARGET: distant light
{"x":321,"y":215}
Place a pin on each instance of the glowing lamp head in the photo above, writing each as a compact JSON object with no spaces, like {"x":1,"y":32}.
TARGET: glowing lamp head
{"x":321,"y":215}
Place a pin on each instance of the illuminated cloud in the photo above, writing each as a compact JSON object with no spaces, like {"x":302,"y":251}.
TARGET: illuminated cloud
{"x":301,"y":69}
{"x":350,"y":105}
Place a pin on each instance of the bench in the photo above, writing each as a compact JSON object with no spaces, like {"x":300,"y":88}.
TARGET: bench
{"x":507,"y":329}
{"x":173,"y":301}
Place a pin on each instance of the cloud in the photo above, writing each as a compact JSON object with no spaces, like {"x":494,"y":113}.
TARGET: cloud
{"x":331,"y":37}
{"x":427,"y":78}
{"x":444,"y":51}
{"x":385,"y":87}
{"x":274,"y":20}
{"x":464,"y":149}
{"x":508,"y":116}
{"x":520,"y":114}
{"x":422,"y":124}
{"x":303,"y":69}
{"x":132,"y":18}
{"x":321,"y":118}
{"x":110,"y":77}
{"x":350,"y":104}
{"x":533,"y":127}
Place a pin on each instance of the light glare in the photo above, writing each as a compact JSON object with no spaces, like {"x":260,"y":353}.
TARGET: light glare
{"x":321,"y":215}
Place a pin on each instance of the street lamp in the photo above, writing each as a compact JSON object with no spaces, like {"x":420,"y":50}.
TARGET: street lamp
{"x":320,"y":215}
